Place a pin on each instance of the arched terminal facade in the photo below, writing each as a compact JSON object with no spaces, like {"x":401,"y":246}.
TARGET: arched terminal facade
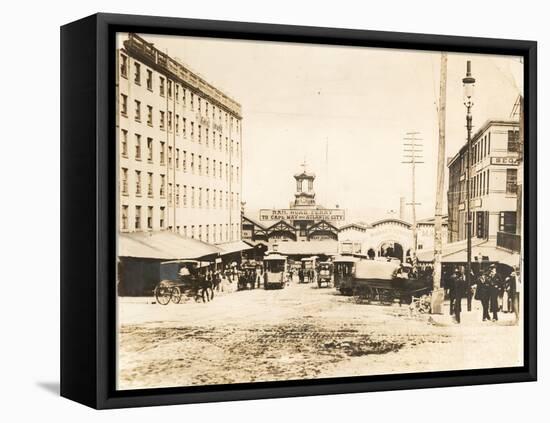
{"x":313,"y":226}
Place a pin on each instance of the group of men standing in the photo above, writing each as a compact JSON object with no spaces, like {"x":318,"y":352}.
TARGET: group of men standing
{"x":250,"y":278}
{"x":494,"y":293}
{"x":305,"y":273}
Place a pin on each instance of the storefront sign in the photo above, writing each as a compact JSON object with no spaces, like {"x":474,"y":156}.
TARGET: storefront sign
{"x":504,"y":160}
{"x":330,"y":215}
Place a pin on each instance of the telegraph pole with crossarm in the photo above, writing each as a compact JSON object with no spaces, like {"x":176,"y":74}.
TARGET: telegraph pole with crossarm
{"x":412,"y":154}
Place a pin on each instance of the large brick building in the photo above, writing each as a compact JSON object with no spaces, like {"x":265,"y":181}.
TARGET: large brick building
{"x":179,"y":148}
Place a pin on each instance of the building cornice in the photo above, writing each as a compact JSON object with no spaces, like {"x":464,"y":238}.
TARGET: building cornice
{"x":477,"y":135}
{"x":137,"y":47}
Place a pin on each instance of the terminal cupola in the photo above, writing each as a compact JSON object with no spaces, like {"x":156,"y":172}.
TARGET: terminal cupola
{"x":305,"y":195}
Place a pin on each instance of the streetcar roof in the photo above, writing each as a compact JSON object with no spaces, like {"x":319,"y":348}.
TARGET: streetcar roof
{"x":310,"y":258}
{"x":181,"y":261}
{"x":346,"y":259}
{"x":275,"y":257}
{"x":197,"y":263}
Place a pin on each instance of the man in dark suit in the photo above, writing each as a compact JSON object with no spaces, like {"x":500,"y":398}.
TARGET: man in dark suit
{"x":301,"y":275}
{"x":483,"y":294}
{"x":495,"y":286}
{"x":458,"y":282}
{"x":469,"y":290}
{"x":449,"y":284}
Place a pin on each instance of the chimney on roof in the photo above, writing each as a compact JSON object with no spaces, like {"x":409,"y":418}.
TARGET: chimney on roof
{"x":402,"y":208}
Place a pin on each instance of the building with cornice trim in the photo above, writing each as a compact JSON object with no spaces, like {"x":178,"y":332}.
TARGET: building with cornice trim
{"x":179,"y":148}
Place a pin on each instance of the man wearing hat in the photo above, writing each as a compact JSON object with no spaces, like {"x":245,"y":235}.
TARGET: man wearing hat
{"x":495,"y":286}
{"x":514,"y":286}
{"x":483,"y":294}
{"x":458,"y":284}
{"x":448,"y":282}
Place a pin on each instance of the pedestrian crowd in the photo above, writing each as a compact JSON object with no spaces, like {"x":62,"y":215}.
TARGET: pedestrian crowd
{"x":496,"y":294}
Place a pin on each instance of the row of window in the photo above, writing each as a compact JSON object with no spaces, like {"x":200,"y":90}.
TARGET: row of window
{"x":482,"y":147}
{"x":211,"y":167}
{"x":213,"y":198}
{"x":178,"y":92}
{"x":210,"y":137}
{"x":481,"y":222}
{"x":479,"y":184}
{"x":209,"y":233}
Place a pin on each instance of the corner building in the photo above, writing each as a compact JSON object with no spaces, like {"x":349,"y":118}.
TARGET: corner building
{"x":179,"y":148}
{"x":493,"y":183}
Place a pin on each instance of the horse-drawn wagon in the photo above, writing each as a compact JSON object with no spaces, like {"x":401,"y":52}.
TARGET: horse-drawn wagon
{"x":193,"y":278}
{"x":385,"y":281}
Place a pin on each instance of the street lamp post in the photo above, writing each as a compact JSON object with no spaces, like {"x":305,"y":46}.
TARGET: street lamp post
{"x":468,"y":83}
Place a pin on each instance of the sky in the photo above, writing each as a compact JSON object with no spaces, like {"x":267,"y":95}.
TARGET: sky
{"x":345,"y":112}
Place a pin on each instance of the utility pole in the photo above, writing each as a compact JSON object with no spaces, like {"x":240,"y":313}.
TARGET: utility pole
{"x":326,"y":172}
{"x":468,"y":82}
{"x":437,"y":295}
{"x":412,"y":149}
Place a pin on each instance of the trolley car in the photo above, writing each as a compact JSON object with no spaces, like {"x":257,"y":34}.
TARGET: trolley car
{"x":344,"y":269}
{"x":275,"y":271}
{"x":324,"y":275}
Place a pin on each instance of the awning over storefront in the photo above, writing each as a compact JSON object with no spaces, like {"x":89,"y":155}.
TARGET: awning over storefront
{"x":233,"y":247}
{"x":163,"y":245}
{"x":456,"y":253}
{"x":450,"y":248}
{"x":306,"y":248}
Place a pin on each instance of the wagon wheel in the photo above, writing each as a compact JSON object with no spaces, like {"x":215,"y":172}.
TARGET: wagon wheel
{"x":387,"y":296}
{"x":198,"y":297}
{"x":176,"y":295}
{"x":375,"y":294}
{"x":368,"y":295}
{"x":405,"y":299}
{"x":163,"y":294}
{"x":358,"y":295}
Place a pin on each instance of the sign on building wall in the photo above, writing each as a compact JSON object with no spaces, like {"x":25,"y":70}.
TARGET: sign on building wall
{"x":347,"y":247}
{"x":504,"y":160}
{"x":330,"y":215}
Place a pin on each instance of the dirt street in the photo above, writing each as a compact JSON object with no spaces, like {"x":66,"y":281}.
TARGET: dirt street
{"x":295,"y":333}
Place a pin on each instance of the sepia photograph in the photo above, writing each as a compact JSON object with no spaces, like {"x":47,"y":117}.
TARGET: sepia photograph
{"x":291,"y":211}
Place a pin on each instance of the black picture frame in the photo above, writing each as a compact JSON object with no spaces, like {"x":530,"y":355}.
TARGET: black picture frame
{"x":88,"y":218}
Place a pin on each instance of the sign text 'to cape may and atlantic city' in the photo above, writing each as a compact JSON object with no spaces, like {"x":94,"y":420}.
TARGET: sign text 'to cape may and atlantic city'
{"x":330,"y":215}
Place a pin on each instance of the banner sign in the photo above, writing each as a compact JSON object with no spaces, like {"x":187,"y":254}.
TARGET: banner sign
{"x":330,"y":215}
